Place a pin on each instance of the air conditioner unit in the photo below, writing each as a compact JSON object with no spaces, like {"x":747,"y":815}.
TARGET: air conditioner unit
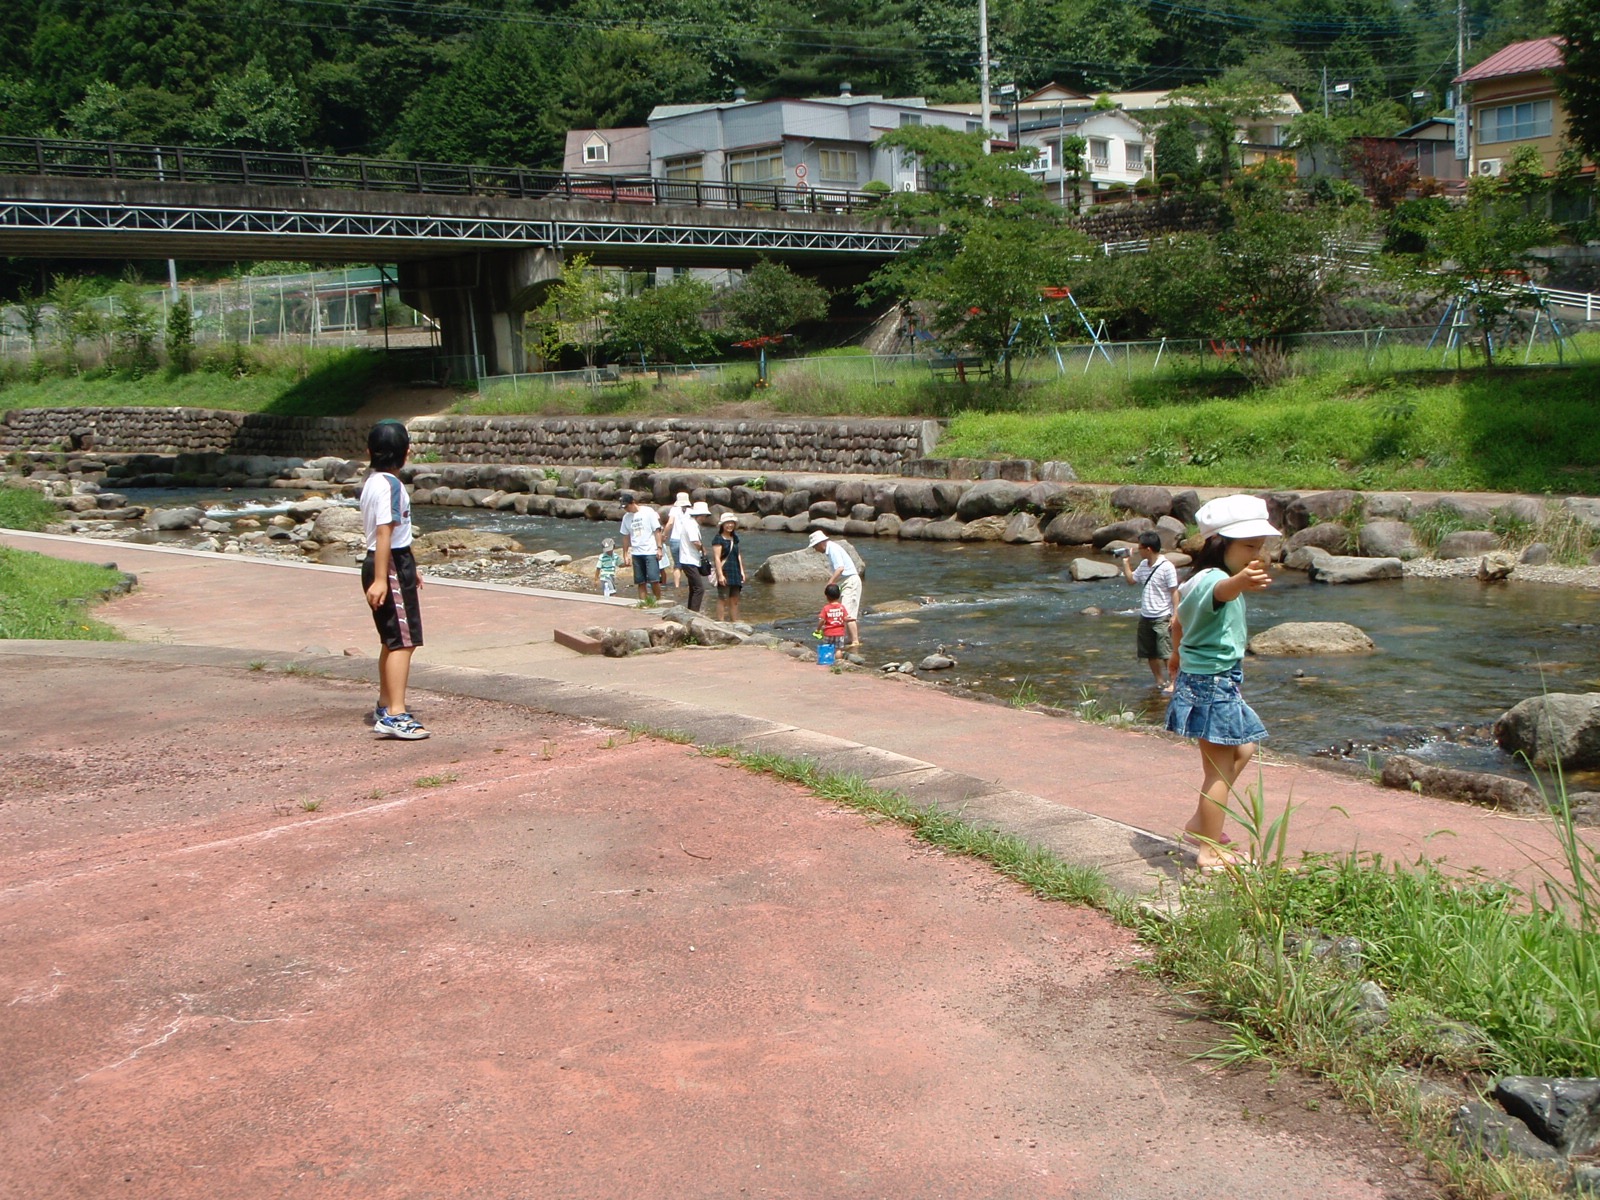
{"x":908,"y":185}
{"x":1489,"y":166}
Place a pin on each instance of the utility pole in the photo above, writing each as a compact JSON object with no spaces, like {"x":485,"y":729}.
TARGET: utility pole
{"x":983,"y":70}
{"x":1325,"y":90}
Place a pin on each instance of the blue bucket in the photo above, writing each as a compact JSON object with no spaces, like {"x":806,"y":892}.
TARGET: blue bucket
{"x":826,"y":654}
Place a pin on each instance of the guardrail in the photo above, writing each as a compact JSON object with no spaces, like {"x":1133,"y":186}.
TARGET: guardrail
{"x":211,"y":165}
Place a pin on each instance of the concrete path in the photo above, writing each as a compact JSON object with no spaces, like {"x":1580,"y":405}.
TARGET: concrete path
{"x":250,"y":952}
{"x":1093,"y":794}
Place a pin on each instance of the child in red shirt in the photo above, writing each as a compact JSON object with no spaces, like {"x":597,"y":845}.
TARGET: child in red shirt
{"x":832,"y":620}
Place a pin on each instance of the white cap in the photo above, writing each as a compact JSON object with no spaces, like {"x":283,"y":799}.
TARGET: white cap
{"x":699,"y":509}
{"x":682,"y":501}
{"x":608,"y":544}
{"x":1235,"y":517}
{"x":727,"y":518}
{"x":818,"y":536}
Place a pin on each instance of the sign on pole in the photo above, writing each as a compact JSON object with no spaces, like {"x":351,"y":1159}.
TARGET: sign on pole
{"x":1461,"y":131}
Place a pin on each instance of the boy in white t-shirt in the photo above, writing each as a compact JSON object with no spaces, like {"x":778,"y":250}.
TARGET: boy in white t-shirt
{"x":389,"y":578}
{"x":1159,"y":578}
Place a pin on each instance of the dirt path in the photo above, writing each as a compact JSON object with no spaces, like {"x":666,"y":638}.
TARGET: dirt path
{"x":252,"y":952}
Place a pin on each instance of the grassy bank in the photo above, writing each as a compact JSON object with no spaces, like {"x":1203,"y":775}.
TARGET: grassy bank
{"x":44,"y":597}
{"x":290,"y":381}
{"x":21,"y":508}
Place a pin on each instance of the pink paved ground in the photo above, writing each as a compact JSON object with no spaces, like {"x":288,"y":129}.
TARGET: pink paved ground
{"x":530,"y":958}
{"x":1141,"y":779}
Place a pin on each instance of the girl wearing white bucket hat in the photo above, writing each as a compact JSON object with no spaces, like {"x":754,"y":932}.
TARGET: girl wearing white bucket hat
{"x":1210,"y":633}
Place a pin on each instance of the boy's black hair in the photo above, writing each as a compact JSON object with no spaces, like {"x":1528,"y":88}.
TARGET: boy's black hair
{"x":388,"y":443}
{"x":832,"y":591}
{"x":1150,"y":540}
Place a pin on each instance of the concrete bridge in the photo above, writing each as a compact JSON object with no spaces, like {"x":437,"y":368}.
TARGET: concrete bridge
{"x":476,"y":246}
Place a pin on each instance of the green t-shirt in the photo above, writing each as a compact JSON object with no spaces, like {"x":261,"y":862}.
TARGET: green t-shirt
{"x":1214,"y":636}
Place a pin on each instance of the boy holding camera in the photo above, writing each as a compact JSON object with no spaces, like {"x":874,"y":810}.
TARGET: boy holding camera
{"x":1157,"y":603}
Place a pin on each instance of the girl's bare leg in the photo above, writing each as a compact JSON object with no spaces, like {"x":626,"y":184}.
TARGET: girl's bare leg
{"x":1222,"y":767}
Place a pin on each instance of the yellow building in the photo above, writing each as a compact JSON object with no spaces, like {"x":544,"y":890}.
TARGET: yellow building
{"x":1514,"y":102}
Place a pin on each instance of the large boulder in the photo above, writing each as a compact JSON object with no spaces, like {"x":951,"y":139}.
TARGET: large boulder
{"x":1022,"y":530}
{"x":338,"y":525}
{"x":1293,"y":639}
{"x":1302,"y":558}
{"x":916,"y":498}
{"x":446,"y":543}
{"x":1186,"y":504}
{"x":1145,"y":500}
{"x":990,"y":498}
{"x":1562,"y":1112}
{"x":1317,"y":507}
{"x":1332,"y":537}
{"x":804,"y":565}
{"x":1333,"y":568}
{"x":1496,"y":565}
{"x":1521,"y":510}
{"x":1585,"y":510}
{"x":1084,"y":569}
{"x":1070,"y":529}
{"x":986,"y":529}
{"x":1040,"y":496}
{"x":1121,"y":531}
{"x":1388,"y":539}
{"x":1558,"y":728}
{"x":168,"y":519}
{"x":1466,"y":510}
{"x":949,"y":530}
{"x":1474,"y":787}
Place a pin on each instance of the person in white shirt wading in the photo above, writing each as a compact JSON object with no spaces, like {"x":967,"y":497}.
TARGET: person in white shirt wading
{"x":848,"y":579}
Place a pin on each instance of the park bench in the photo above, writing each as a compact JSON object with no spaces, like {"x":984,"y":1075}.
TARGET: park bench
{"x":960,"y":368}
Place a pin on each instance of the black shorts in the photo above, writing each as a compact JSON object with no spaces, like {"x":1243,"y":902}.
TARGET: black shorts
{"x":399,"y":617}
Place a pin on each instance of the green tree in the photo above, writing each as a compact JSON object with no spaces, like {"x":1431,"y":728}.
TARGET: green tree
{"x":31,"y":308}
{"x":663,"y":323}
{"x":74,"y":318}
{"x":573,"y":313}
{"x":133,"y":332}
{"x":255,"y":110}
{"x":1177,"y":152}
{"x":1578,"y":22}
{"x":179,"y":338}
{"x":107,"y":113}
{"x":771,"y":300}
{"x":1218,"y":109}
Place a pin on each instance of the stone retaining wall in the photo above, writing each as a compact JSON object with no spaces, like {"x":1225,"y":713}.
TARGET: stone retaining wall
{"x":846,"y":447}
{"x":178,"y":431}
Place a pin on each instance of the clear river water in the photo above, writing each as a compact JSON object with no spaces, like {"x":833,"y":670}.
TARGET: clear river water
{"x":1452,"y":654}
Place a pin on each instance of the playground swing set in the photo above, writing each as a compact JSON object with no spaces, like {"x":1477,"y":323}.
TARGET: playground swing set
{"x":1464,"y":312}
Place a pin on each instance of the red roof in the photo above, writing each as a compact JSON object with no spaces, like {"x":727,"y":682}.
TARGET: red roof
{"x":1519,"y":58}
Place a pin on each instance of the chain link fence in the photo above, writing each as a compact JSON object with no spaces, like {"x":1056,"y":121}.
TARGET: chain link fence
{"x":355,"y":307}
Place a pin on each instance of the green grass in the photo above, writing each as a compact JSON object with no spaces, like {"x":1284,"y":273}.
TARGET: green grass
{"x":44,"y":597}
{"x":23,"y":508}
{"x":1522,"y":430}
{"x":290,"y":381}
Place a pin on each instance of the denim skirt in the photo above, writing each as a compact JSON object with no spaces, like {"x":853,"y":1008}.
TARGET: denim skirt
{"x":1210,"y":707}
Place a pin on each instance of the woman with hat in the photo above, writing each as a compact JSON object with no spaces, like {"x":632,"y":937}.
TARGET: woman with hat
{"x":692,"y":554}
{"x":727,"y":566}
{"x":669,"y":522}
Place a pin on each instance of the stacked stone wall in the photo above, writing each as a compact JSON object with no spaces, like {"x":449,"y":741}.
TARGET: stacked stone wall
{"x":847,"y":447}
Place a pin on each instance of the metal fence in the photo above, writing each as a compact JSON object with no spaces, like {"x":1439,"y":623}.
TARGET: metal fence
{"x":354,"y":307}
{"x":259,"y":168}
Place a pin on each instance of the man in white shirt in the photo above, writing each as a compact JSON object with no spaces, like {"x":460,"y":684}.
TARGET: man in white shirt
{"x":848,"y":579}
{"x":641,"y":546}
{"x":1157,"y":603}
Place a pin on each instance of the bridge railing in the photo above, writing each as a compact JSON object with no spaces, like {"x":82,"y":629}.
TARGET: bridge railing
{"x":212,"y":166}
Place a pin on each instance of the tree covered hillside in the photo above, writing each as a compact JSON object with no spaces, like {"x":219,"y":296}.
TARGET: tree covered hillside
{"x":501,"y":80}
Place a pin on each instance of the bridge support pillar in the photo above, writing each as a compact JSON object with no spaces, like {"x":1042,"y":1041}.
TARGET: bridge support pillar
{"x":479,"y":301}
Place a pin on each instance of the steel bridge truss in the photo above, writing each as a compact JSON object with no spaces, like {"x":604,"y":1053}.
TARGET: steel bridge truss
{"x":37,"y":217}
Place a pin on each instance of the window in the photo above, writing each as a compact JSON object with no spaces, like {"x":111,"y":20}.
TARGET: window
{"x":596,"y":152}
{"x":910,"y":118}
{"x":1100,"y":153}
{"x":1134,"y":159}
{"x":1514,"y":122}
{"x":690,"y":168}
{"x":974,"y":126}
{"x":1045,"y":161}
{"x":841,"y":166}
{"x":763,"y":165}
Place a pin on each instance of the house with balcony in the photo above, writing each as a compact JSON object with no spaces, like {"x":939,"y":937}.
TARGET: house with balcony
{"x":1512,"y":101}
{"x":827,"y":143}
{"x":1116,"y":150}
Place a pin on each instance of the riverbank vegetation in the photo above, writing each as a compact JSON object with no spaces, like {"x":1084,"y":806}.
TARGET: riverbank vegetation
{"x":1479,"y":978}
{"x":49,"y":598}
{"x":23,"y":508}
{"x":284,"y":379}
